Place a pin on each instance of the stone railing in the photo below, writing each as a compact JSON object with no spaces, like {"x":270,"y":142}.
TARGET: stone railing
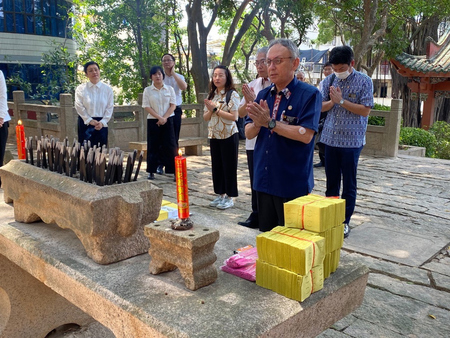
{"x":383,"y":140}
{"x":61,"y":121}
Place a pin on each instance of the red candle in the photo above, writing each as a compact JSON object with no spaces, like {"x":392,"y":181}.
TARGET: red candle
{"x":182,"y":186}
{"x":20,"y":137}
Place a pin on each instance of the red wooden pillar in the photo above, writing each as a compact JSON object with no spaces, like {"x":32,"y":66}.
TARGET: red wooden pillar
{"x":428,"y":111}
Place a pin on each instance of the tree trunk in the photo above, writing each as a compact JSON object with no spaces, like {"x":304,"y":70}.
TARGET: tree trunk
{"x":197,"y":35}
{"x":442,"y":111}
{"x":411,"y":113}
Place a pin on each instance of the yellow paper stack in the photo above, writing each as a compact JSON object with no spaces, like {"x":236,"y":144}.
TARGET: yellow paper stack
{"x":315,"y":213}
{"x":322,"y":216}
{"x":290,"y":262}
{"x":288,"y":283}
{"x":294,"y":260}
{"x":168,"y":210}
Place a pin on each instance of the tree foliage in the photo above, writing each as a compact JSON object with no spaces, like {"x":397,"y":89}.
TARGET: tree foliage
{"x":125,"y":37}
{"x":384,"y":28}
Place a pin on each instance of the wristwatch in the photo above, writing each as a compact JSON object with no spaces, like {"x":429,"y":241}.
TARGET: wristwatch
{"x":272,"y":124}
{"x":341,"y":102}
{"x":215,"y":109}
{"x":301,"y":130}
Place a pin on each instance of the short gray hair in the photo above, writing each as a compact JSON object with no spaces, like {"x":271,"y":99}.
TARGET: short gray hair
{"x":288,"y":44}
{"x":262,"y":50}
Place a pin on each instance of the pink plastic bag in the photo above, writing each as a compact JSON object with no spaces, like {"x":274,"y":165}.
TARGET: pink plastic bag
{"x":242,"y":264}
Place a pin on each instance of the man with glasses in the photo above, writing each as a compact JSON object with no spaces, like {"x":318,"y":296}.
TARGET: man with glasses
{"x":178,"y":83}
{"x":249,"y":92}
{"x":285,"y":117}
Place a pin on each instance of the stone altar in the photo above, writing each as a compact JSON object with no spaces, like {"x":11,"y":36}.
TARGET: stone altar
{"x":108,"y":220}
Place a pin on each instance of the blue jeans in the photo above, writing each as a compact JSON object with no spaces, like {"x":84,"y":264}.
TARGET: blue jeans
{"x":342,"y":163}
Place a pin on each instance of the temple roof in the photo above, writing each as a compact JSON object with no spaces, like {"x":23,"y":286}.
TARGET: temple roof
{"x":437,"y":59}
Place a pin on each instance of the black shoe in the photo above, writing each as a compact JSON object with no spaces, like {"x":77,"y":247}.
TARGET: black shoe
{"x":318,"y":165}
{"x":249,"y":224}
{"x":346,"y":230}
{"x":160,"y":170}
{"x":151,"y":176}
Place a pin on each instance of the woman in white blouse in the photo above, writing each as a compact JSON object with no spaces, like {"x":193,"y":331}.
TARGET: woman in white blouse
{"x":94,"y":102}
{"x":159,"y":102}
{"x":4,"y":118}
{"x":224,"y":136}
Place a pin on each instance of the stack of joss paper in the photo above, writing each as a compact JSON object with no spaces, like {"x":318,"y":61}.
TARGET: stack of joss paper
{"x":293,"y":260}
{"x":290,"y":262}
{"x":323,"y":216}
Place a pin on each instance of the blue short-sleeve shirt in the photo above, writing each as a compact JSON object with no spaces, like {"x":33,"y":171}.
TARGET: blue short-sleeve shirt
{"x":283,"y":167}
{"x":342,"y":128}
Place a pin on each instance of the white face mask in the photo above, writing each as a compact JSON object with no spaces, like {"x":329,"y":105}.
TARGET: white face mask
{"x":342,"y":75}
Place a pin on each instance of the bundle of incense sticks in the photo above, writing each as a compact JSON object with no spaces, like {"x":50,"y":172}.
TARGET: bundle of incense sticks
{"x":96,"y":165}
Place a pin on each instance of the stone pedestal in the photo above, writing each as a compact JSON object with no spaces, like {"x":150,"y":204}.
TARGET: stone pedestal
{"x":191,"y":251}
{"x":109,"y":220}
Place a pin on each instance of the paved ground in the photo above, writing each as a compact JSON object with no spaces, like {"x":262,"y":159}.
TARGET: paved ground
{"x":400,"y":230}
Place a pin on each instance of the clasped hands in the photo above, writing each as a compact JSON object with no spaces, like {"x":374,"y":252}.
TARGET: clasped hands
{"x":259,"y":113}
{"x":161,"y":121}
{"x":97,"y":124}
{"x":335,"y":94}
{"x":210,"y":104}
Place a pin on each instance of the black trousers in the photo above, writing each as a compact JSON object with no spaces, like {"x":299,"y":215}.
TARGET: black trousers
{"x":270,"y":210}
{"x":88,"y":133}
{"x":161,"y":146}
{"x":3,"y":140}
{"x":254,"y":215}
{"x":177,"y":123}
{"x":224,"y":160}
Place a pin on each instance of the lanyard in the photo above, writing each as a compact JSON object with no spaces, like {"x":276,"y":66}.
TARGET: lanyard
{"x":275,"y":106}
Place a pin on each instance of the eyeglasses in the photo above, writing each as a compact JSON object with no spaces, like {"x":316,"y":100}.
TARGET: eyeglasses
{"x":260,"y":63}
{"x":276,"y":61}
{"x":167,"y":60}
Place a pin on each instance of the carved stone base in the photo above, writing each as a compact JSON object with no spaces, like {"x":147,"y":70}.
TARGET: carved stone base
{"x":191,"y":251}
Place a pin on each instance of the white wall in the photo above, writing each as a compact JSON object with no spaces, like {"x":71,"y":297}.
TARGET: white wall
{"x":27,"y":48}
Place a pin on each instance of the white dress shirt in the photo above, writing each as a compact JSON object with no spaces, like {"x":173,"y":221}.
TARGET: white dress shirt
{"x":3,"y":99}
{"x":94,"y":100}
{"x":170,"y":81}
{"x":257,"y":84}
{"x":158,"y":99}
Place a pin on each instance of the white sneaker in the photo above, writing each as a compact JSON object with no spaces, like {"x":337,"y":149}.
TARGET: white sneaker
{"x":216,"y":201}
{"x":226,"y":203}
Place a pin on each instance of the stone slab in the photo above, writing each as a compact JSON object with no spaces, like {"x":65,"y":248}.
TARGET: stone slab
{"x":393,"y":245}
{"x":131,"y":302}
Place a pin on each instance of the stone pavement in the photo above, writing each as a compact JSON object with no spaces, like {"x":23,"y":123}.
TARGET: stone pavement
{"x":400,"y":230}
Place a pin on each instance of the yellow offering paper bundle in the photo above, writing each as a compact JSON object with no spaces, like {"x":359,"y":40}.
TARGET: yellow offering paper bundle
{"x":334,"y":237}
{"x":313,"y":212}
{"x":331,"y":262}
{"x":288,"y":283}
{"x":292,"y":249}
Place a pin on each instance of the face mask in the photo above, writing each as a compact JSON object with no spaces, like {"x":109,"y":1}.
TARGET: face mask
{"x":342,"y":75}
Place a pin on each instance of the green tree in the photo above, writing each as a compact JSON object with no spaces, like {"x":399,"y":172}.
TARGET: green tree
{"x":384,"y":28}
{"x":58,"y":74}
{"x":125,"y":37}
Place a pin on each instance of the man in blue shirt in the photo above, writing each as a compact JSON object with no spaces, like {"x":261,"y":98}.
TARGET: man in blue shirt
{"x":285,"y":117}
{"x":348,"y":101}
